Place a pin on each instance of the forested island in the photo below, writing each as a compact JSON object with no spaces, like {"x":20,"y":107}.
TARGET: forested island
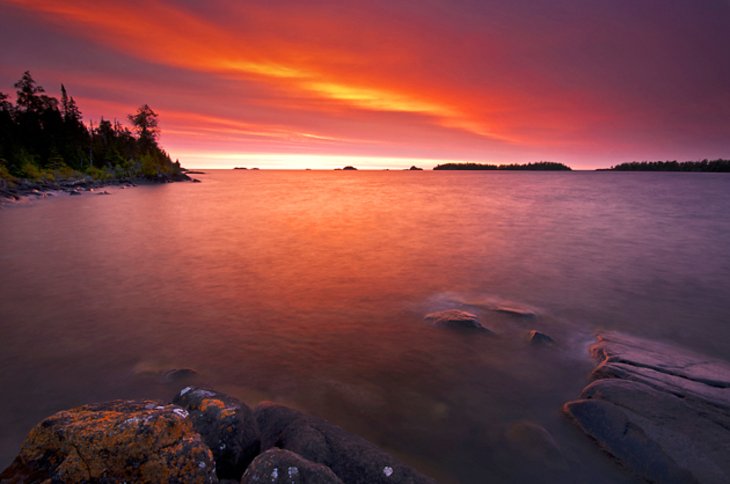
{"x":540,"y":165}
{"x":718,"y":165}
{"x":45,"y":145}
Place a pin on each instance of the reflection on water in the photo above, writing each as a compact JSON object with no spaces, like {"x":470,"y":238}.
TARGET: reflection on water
{"x":310,"y":287}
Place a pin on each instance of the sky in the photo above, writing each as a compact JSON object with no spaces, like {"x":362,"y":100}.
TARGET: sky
{"x":390,"y":83}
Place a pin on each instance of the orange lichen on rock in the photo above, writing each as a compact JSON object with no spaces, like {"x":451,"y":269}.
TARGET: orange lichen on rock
{"x":120,"y":440}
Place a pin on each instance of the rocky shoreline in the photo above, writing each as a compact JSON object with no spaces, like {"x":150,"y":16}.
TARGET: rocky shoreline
{"x":24,"y":188}
{"x":202,"y":436}
{"x":659,"y":410}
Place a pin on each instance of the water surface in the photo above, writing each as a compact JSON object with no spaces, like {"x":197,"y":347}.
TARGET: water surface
{"x":310,"y":288}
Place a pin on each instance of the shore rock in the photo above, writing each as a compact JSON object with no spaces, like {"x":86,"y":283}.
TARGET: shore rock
{"x":282,"y":466}
{"x":352,"y":458}
{"x":455,"y":318}
{"x":227,"y":426}
{"x":114,"y":442}
{"x":661,"y":410}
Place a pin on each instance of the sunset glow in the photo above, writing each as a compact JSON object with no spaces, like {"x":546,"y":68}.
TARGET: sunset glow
{"x":390,"y":84}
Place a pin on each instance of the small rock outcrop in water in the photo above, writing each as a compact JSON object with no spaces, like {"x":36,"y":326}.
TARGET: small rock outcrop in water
{"x":538,"y":338}
{"x":352,"y":458}
{"x":515,"y":311}
{"x":661,"y":410}
{"x":281,"y":466}
{"x":125,"y":441}
{"x":134,"y":441}
{"x":455,"y":318}
{"x":226,"y":425}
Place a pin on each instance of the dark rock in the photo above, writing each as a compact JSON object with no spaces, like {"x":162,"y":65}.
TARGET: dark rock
{"x":104,"y":193}
{"x":74,"y":192}
{"x":195,"y":180}
{"x":661,"y":410}
{"x":282,"y":466}
{"x":114,"y":442}
{"x":227,"y":426}
{"x":349,"y":168}
{"x":454,"y":318}
{"x":540,"y":339}
{"x":352,"y":458}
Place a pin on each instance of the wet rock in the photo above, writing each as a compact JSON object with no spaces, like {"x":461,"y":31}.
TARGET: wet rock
{"x":179,"y":374}
{"x":114,"y":442}
{"x":105,"y":192}
{"x":352,"y":458}
{"x":74,"y":192}
{"x":538,"y":338}
{"x":282,"y":466}
{"x":227,"y":426}
{"x":661,"y":410}
{"x":454,"y":318}
{"x":515,"y":311}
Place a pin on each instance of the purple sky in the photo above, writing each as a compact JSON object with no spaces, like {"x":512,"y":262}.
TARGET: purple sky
{"x":387,"y":83}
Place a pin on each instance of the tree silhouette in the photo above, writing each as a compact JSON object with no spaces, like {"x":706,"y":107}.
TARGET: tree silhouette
{"x":145,"y":124}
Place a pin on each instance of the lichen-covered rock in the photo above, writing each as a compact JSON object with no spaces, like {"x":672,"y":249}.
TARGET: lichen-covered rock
{"x":352,"y":458}
{"x":114,"y":442}
{"x":226,"y":425}
{"x":455,"y":318}
{"x":661,"y":410}
{"x":282,"y":466}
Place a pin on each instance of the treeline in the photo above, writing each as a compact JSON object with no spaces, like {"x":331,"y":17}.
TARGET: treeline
{"x":718,"y":165}
{"x":43,"y":138}
{"x":540,"y":165}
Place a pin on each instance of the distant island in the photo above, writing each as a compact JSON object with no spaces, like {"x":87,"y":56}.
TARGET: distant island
{"x":44,"y":145}
{"x":541,"y":165}
{"x":718,"y":165}
{"x":349,"y":168}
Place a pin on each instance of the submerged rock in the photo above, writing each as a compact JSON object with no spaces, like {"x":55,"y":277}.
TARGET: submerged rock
{"x":661,"y":410}
{"x":282,"y":466}
{"x":537,"y":448}
{"x":227,"y":426}
{"x":515,"y":311}
{"x":455,"y":318}
{"x":352,"y":458}
{"x":538,"y":338}
{"x":114,"y":442}
{"x":179,"y":374}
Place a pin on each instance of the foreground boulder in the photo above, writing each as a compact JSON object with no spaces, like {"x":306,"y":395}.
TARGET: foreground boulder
{"x":352,"y":458}
{"x":455,"y":318}
{"x":114,"y":442}
{"x":226,"y":425}
{"x":282,"y":466}
{"x":661,"y":410}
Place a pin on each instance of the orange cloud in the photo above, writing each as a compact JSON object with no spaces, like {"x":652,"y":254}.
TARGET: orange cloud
{"x":161,"y":33}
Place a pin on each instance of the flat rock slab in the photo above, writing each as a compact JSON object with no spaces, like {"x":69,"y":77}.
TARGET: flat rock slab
{"x":117,"y":441}
{"x":659,"y":409}
{"x":352,"y":458}
{"x":455,"y":318}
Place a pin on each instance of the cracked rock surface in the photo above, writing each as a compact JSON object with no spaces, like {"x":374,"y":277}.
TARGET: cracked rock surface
{"x":659,"y":409}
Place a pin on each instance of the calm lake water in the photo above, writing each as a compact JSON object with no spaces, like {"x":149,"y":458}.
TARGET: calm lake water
{"x":309,"y":288}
